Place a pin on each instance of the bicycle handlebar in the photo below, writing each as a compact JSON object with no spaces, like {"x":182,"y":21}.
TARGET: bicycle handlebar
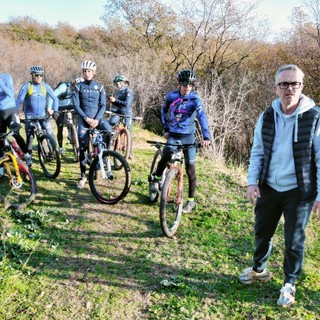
{"x":35,"y":119}
{"x":123,"y":115}
{"x":182,"y":146}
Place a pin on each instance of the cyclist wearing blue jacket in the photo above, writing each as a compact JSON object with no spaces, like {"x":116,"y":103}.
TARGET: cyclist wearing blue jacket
{"x":8,"y":113}
{"x":89,"y":100}
{"x":64,"y":93}
{"x":123,"y":103}
{"x":178,"y":119}
{"x":33,"y":96}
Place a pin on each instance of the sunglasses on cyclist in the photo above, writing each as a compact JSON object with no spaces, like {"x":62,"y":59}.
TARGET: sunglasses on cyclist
{"x":38,"y":75}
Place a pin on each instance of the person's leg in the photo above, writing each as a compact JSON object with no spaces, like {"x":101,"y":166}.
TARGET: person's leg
{"x":60,"y":121}
{"x":83,"y":144}
{"x":105,"y":125}
{"x":296,"y":216}
{"x":30,"y":135}
{"x":268,"y":211}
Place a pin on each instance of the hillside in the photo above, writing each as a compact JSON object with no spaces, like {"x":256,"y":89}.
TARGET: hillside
{"x":69,"y":257}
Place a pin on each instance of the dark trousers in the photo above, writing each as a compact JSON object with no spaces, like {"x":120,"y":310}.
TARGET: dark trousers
{"x":268,"y":211}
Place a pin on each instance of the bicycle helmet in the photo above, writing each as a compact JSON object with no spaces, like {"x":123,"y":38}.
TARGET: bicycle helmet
{"x":120,"y":78}
{"x":36,"y":69}
{"x":187,"y":76}
{"x":89,"y":65}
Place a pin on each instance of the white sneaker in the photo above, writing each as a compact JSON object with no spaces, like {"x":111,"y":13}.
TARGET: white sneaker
{"x":60,"y":151}
{"x":1,"y":171}
{"x":287,"y":294}
{"x":81,"y":183}
{"x":249,"y":275}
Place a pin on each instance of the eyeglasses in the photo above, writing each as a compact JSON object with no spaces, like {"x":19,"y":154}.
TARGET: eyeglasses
{"x":285,"y":85}
{"x":186,"y":84}
{"x":38,"y":75}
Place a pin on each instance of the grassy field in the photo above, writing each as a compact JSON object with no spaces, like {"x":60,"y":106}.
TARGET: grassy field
{"x":68,"y":257}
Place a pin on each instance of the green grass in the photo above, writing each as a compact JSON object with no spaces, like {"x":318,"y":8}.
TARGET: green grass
{"x":68,"y":257}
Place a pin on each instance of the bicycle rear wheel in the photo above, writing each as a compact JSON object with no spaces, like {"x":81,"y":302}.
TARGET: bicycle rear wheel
{"x":17,"y":195}
{"x":115,"y":184}
{"x":170,"y":205}
{"x":123,"y":145}
{"x":49,"y":156}
{"x":153,"y":196}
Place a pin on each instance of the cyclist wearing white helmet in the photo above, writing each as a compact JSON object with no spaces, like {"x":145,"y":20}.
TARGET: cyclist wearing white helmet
{"x":33,"y":97}
{"x":89,"y":101}
{"x":64,"y":92}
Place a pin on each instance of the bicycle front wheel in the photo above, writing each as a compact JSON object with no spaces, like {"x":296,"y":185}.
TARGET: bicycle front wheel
{"x":49,"y":156}
{"x":123,"y":145}
{"x":153,"y":195}
{"x":17,"y":194}
{"x":171,"y":203}
{"x":107,"y":185}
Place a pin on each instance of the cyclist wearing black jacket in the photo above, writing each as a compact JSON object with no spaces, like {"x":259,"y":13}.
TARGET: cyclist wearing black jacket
{"x":89,"y":100}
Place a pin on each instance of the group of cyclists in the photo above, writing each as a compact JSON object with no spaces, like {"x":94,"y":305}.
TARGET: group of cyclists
{"x":89,"y":100}
{"x":86,"y":96}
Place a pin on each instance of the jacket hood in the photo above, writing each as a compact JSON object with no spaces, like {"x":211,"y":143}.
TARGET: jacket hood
{"x":305,"y":104}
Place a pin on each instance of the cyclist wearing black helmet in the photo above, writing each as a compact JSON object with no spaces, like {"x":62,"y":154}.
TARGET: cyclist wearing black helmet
{"x":33,"y":97}
{"x":178,"y":119}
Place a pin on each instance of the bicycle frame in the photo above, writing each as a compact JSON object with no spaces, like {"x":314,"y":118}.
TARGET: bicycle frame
{"x":98,"y":146}
{"x":176,"y":162}
{"x":3,"y":160}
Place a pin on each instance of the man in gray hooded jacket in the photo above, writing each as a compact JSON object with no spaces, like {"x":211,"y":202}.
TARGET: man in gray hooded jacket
{"x":284,"y":178}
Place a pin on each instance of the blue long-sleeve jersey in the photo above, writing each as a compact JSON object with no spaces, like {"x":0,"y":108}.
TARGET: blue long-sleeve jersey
{"x":7,"y":100}
{"x":178,"y":114}
{"x":123,"y":103}
{"x":89,"y":99}
{"x":34,"y":98}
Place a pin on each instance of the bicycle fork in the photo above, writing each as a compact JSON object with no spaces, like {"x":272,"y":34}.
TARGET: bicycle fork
{"x":15,"y":181}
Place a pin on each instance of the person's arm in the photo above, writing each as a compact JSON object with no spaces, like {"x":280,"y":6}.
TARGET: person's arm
{"x":55,"y":105}
{"x":255,"y":164}
{"x":102,"y":105}
{"x":164,"y":115}
{"x":316,"y":144}
{"x":6,"y":85}
{"x":203,"y":119}
{"x":61,"y":89}
{"x":21,"y":95}
{"x":76,"y":102}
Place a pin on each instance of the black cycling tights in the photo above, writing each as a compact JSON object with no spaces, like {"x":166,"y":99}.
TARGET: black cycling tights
{"x":191,"y":172}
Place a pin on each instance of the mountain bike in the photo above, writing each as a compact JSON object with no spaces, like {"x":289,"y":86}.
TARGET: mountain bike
{"x":171,"y":187}
{"x":72,"y":132}
{"x":17,"y":183}
{"x":107,"y":184}
{"x":48,"y":153}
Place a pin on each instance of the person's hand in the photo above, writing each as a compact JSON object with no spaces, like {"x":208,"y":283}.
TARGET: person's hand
{"x":316,"y":208}
{"x":94,"y":123}
{"x":112,"y":99}
{"x":205,"y":143}
{"x":50,"y":111}
{"x":55,"y":115}
{"x":253,"y":192}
